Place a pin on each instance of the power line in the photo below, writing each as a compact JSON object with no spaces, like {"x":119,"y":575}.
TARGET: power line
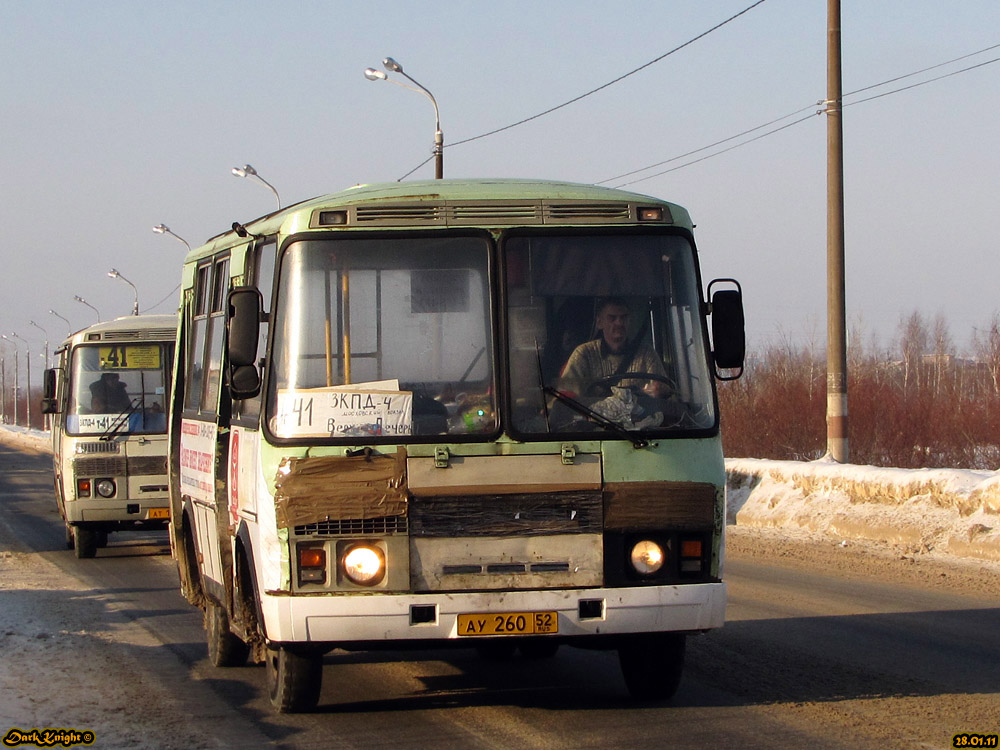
{"x":153,"y":307}
{"x":796,"y":122}
{"x":599,"y":88}
{"x":922,"y":83}
{"x":711,"y":145}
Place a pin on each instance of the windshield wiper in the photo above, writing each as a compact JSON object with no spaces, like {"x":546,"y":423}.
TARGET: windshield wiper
{"x":119,"y":422}
{"x":600,"y":419}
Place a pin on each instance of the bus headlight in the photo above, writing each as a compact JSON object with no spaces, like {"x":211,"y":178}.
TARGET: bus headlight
{"x":363,"y":564}
{"x":647,"y":557}
{"x":105,"y":487}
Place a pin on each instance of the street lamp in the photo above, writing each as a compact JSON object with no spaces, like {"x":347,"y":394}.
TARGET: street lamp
{"x":82,"y":301}
{"x":46,"y":341}
{"x":248,"y":171}
{"x":113,"y":273}
{"x":164,"y":229}
{"x":394,"y":67}
{"x":27,"y":366}
{"x":69,"y":326}
{"x":3,"y":382}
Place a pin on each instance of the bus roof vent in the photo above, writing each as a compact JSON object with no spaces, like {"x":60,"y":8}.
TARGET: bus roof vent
{"x":588,"y":212}
{"x":496,"y":213}
{"x":418,"y":213}
{"x":133,"y":335}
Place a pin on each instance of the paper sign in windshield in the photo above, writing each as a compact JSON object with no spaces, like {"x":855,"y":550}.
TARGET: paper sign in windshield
{"x":362,"y":410}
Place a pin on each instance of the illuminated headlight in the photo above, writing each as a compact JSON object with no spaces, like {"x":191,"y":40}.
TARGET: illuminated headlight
{"x":364,"y":564}
{"x":105,"y":487}
{"x":647,"y":557}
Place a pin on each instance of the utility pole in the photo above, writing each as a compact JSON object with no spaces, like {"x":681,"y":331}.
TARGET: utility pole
{"x":836,"y":338}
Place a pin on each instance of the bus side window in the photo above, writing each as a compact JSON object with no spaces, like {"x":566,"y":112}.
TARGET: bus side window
{"x":194,"y":378}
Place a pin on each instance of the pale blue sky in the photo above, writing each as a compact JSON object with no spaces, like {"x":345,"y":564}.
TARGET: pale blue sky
{"x":120,"y":115}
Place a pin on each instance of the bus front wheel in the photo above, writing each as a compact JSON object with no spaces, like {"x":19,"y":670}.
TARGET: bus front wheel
{"x":84,"y":542}
{"x":652,"y":665}
{"x":293,"y":679}
{"x":224,"y":648}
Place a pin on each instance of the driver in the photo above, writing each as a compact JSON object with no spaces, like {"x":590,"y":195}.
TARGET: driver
{"x":611,"y":354}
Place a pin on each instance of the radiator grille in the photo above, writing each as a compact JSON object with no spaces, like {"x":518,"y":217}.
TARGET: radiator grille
{"x":147,"y":465}
{"x":356,"y":527}
{"x":99,"y":466}
{"x":101,"y":446}
{"x":507,"y":515}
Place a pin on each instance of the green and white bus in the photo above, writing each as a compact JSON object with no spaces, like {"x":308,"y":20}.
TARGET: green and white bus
{"x":374,"y":441}
{"x":108,"y":398}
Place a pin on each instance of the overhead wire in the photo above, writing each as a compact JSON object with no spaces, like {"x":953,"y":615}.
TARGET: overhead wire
{"x":803,"y":119}
{"x":575,"y":99}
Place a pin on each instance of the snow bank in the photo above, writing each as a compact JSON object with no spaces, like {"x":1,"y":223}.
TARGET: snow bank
{"x":22,"y":437}
{"x":945,"y":510}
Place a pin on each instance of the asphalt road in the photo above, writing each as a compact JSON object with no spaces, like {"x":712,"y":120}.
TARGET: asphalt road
{"x":812,"y":655}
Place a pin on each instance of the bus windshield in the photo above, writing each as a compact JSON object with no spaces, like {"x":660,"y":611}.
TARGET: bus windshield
{"x":117,"y":388}
{"x":604,"y":333}
{"x":383,"y":337}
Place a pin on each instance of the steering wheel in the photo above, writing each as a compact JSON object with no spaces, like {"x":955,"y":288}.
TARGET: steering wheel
{"x":602,"y":386}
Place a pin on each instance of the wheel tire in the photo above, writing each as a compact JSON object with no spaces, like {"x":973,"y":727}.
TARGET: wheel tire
{"x":293,"y":680}
{"x":69,"y":537}
{"x":541,"y":649}
{"x":652,"y":666}
{"x":84,"y":542}
{"x":225,"y":649}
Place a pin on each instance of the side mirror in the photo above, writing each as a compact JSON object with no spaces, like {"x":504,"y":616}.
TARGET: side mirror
{"x":728,"y":330}
{"x":49,"y":403}
{"x":245,"y":306}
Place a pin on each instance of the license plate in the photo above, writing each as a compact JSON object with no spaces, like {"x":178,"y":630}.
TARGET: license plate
{"x":159,"y":513}
{"x":508,"y":623}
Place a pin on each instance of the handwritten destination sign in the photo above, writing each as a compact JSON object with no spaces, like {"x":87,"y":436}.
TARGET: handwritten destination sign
{"x":376,"y":409}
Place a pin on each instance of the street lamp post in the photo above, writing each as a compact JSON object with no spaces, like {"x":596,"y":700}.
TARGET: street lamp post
{"x":3,"y":382}
{"x":164,"y":229}
{"x":82,"y":301}
{"x":27,"y":366}
{"x":17,"y":369}
{"x":394,"y":67}
{"x":247,"y":171}
{"x":46,"y":341}
{"x":113,"y":273}
{"x":69,"y":326}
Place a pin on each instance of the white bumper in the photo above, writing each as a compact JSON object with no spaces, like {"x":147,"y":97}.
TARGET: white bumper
{"x":388,"y":617}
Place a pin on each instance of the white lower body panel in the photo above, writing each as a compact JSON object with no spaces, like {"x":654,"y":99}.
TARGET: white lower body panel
{"x":388,"y":617}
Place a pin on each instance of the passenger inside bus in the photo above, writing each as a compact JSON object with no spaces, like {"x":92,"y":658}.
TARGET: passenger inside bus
{"x":611,"y":354}
{"x":108,"y":395}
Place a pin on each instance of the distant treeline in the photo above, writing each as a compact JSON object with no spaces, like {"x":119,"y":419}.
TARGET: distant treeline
{"x":913,"y":404}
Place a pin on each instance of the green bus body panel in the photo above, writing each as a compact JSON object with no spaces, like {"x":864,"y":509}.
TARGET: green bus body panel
{"x":682,"y":460}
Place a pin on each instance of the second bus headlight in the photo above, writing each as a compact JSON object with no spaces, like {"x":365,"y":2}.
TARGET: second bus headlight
{"x":647,"y":557}
{"x":364,"y":564}
{"x":105,"y":487}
